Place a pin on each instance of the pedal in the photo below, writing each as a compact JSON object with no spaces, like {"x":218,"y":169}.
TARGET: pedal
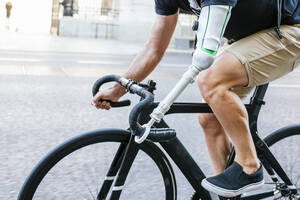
{"x":161,"y":134}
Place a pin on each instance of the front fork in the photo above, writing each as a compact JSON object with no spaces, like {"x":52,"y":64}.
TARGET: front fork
{"x":111,"y":174}
{"x":119,"y":170}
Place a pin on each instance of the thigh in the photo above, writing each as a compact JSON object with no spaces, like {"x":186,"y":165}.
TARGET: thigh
{"x":267,"y":58}
{"x":227,"y":71}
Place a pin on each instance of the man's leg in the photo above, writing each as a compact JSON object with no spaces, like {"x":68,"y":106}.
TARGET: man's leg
{"x":217,"y":142}
{"x":254,"y":60}
{"x":214,"y":84}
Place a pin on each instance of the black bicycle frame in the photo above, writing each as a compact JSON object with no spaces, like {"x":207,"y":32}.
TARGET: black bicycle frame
{"x":178,"y":153}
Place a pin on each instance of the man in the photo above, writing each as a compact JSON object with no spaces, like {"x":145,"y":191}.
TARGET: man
{"x":259,"y":55}
{"x":8,"y":7}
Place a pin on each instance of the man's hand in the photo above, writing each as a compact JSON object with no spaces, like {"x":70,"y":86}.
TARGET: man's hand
{"x":113,"y":93}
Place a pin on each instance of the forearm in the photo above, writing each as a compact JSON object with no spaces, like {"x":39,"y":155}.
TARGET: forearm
{"x":143,"y":64}
{"x":146,"y":61}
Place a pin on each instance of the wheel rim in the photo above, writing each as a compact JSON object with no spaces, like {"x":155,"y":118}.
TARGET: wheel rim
{"x":82,"y":173}
{"x":96,"y":137}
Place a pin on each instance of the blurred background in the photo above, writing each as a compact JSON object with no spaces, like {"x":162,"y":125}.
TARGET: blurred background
{"x":128,"y":20}
{"x":26,"y":16}
{"x":52,"y":51}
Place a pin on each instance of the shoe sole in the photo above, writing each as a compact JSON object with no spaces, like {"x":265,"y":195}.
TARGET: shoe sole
{"x":230,"y":193}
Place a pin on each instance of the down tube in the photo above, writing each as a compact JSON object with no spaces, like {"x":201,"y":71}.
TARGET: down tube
{"x":187,"y":165}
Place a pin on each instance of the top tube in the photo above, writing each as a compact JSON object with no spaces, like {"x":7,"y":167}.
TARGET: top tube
{"x":183,"y":107}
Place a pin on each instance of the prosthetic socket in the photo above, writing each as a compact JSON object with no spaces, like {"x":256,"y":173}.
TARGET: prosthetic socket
{"x":212,"y":23}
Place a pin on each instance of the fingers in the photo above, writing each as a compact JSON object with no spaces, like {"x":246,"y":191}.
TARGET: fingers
{"x":103,"y":105}
{"x":100,"y":104}
{"x":109,"y":94}
{"x":96,"y":100}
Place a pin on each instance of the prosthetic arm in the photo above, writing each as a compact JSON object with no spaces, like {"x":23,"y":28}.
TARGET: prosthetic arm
{"x":212,"y":23}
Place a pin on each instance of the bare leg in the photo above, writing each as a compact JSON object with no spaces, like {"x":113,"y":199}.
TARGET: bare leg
{"x":214,"y":84}
{"x":217,"y":142}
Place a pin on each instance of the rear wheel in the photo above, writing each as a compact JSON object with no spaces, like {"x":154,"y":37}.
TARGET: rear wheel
{"x":285,"y":146}
{"x":78,"y":169}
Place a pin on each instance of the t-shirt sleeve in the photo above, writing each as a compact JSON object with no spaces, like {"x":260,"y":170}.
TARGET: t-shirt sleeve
{"x":218,"y":2}
{"x":165,"y":7}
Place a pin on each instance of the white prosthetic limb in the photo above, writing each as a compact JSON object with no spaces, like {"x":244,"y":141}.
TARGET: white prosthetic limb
{"x":212,"y":23}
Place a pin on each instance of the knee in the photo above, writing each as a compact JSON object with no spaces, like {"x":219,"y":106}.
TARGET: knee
{"x":209,"y":123}
{"x":210,"y":86}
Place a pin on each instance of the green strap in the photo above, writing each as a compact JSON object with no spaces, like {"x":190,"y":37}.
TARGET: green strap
{"x":211,"y":52}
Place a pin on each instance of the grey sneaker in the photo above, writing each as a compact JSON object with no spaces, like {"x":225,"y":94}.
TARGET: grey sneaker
{"x":234,"y":181}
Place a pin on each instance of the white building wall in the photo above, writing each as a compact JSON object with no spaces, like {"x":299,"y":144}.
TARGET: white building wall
{"x":133,"y":23}
{"x":135,"y":20}
{"x":137,"y":17}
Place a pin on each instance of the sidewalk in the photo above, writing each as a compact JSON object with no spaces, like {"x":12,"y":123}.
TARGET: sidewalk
{"x":46,"y":43}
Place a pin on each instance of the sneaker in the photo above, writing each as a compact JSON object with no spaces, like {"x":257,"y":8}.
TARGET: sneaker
{"x":234,"y":181}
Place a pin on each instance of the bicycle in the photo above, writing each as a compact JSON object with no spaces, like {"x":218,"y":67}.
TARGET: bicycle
{"x":127,"y":149}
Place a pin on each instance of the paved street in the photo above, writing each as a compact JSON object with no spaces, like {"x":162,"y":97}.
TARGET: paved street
{"x":76,"y":64}
{"x":45,"y":99}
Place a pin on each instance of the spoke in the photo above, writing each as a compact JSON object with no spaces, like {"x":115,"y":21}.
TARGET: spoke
{"x":90,"y":192}
{"x":127,"y":161}
{"x":98,"y":183}
{"x":297,"y":179}
{"x":83,"y":197}
{"x":112,"y":171}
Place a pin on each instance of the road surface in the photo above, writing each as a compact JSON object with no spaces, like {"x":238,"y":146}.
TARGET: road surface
{"x":45,"y":100}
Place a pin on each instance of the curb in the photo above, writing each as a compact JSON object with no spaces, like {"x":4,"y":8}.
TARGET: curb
{"x":171,"y":52}
{"x":53,"y":44}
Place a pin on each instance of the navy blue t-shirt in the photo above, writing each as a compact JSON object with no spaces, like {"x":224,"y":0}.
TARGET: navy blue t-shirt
{"x":247,"y":16}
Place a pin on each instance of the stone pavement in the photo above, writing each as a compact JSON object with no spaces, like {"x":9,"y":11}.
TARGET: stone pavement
{"x":48,"y":43}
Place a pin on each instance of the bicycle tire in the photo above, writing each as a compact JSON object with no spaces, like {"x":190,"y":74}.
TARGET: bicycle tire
{"x":273,"y":140}
{"x":94,"y":137}
{"x":282,"y":133}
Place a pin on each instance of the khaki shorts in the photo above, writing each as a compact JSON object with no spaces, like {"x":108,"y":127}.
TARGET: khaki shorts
{"x":265,"y":57}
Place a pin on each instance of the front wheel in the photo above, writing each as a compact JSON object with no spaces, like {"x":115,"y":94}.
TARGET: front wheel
{"x":85,"y":167}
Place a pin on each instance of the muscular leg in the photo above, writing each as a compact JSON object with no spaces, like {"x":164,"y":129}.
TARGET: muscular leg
{"x":217,"y":142}
{"x":214,"y":84}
